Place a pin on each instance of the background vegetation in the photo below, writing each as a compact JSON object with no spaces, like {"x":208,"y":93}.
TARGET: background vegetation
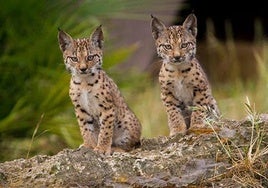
{"x":36,"y":115}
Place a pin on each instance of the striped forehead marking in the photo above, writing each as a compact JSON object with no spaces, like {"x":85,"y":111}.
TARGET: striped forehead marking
{"x":82,"y":44}
{"x":175,"y":33}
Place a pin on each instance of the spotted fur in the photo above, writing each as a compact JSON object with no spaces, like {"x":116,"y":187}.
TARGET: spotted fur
{"x":106,"y":122}
{"x":185,"y":90}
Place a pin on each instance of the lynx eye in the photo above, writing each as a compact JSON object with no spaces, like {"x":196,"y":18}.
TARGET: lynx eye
{"x":90,"y":57}
{"x":167,"y":46}
{"x":184,"y":45}
{"x":74,"y":59}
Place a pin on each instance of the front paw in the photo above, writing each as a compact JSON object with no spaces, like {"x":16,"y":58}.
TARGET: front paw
{"x":102,"y":151}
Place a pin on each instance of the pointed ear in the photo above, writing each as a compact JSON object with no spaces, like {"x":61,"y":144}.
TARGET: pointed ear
{"x":65,"y":40}
{"x":97,"y":37}
{"x":190,"y":24}
{"x":157,"y":27}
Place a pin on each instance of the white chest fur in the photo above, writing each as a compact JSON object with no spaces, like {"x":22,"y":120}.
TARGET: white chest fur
{"x":182,"y":91}
{"x":89,"y":102}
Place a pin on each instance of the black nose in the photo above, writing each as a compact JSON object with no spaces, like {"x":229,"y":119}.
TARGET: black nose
{"x":178,"y":58}
{"x":83,"y":69}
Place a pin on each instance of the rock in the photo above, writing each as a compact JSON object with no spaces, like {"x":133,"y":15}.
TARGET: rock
{"x":210,"y":159}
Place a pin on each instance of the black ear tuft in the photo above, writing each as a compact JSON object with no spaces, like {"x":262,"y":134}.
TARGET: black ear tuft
{"x":65,"y":40}
{"x":157,"y":27}
{"x":97,"y":37}
{"x":190,"y":24}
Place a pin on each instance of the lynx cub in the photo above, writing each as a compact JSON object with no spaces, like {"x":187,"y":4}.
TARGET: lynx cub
{"x":185,"y":90}
{"x":106,"y":122}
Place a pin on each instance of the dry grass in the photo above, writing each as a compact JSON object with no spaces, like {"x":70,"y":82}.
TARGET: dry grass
{"x":248,"y":167}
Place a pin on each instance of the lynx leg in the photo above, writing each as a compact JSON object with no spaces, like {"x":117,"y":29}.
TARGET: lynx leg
{"x":176,"y":122}
{"x":197,"y":119}
{"x":106,"y":131}
{"x":89,"y":133}
{"x":89,"y":139}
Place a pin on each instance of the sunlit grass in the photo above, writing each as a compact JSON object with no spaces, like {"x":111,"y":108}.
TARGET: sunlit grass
{"x":150,"y":110}
{"x":236,"y":69}
{"x":232,"y":94}
{"x":143,"y":97}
